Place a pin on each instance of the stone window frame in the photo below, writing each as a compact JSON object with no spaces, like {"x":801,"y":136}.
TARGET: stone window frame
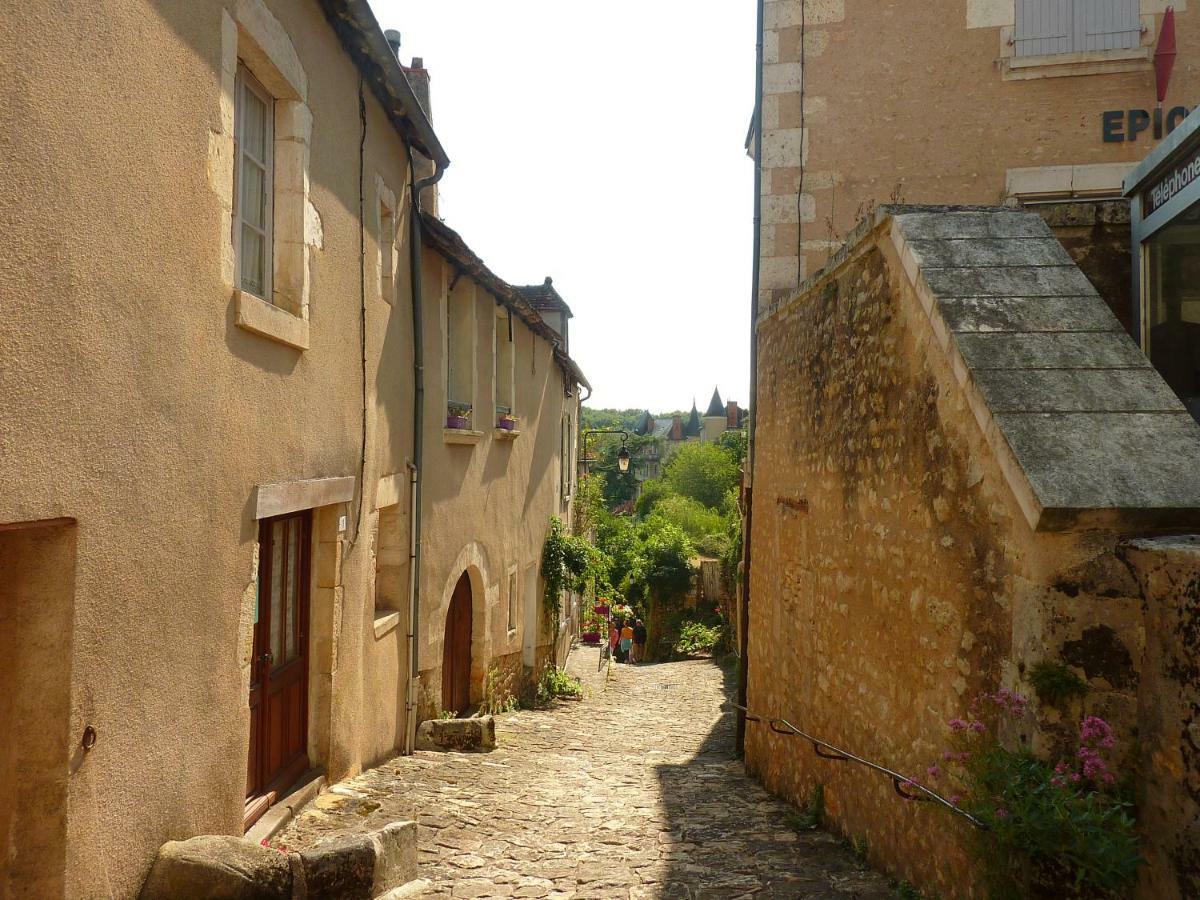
{"x":512,"y":585}
{"x":389,"y":224}
{"x":1058,"y":65}
{"x":251,"y":37}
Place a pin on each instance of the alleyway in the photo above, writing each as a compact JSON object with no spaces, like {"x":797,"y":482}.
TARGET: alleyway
{"x":631,"y":793}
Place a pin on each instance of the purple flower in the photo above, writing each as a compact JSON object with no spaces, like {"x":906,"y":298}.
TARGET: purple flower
{"x":933,"y":771}
{"x":955,"y":799}
{"x":1094,"y":730}
{"x":977,"y":727}
{"x":957,"y":725}
{"x":1001,"y":812}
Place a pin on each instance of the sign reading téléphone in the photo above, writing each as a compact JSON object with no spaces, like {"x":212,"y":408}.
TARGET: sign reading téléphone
{"x":1181,"y":174}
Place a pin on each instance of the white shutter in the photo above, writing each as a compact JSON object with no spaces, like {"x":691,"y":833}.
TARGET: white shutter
{"x":1107,"y":24}
{"x":1044,"y":27}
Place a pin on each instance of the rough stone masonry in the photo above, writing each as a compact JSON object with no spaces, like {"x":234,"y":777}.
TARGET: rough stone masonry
{"x":955,"y":442}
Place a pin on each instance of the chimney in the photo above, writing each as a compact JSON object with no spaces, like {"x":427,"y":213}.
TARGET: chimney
{"x":677,"y":428}
{"x":418,"y":79}
{"x":731,"y":414}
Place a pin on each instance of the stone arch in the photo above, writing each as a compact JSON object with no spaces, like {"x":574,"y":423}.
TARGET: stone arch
{"x":472,"y":560}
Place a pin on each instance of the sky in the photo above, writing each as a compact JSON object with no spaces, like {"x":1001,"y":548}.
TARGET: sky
{"x":602,"y":144}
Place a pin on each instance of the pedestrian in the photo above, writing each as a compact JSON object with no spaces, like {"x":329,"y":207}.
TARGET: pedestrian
{"x":639,"y":641}
{"x":627,"y":640}
{"x":614,"y":637}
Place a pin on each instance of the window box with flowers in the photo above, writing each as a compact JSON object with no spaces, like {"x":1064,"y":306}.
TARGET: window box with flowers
{"x":458,"y":415}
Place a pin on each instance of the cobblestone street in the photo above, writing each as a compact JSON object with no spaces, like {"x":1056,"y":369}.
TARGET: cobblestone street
{"x":630,"y":793}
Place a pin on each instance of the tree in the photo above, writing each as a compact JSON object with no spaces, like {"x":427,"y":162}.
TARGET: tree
{"x":735,"y":444}
{"x":690,"y":516}
{"x":704,"y":472}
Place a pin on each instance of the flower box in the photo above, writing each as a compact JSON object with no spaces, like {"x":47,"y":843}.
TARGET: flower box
{"x":602,"y":610}
{"x":591,"y":638}
{"x":458,"y":415}
{"x":507,"y":423}
{"x":460,"y":423}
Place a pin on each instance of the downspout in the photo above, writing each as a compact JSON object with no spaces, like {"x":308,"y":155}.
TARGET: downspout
{"x":747,"y":528}
{"x":414,"y":551}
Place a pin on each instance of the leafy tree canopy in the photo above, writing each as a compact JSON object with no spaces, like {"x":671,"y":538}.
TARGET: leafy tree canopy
{"x":704,"y":472}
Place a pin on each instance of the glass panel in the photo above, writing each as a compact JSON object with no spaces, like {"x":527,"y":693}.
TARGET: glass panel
{"x":253,"y":207}
{"x":252,"y":267}
{"x":1172,"y":316}
{"x":254,"y":125}
{"x":292,"y":649}
{"x":277,"y":577}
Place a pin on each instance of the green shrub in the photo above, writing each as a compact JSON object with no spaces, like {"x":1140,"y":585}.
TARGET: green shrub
{"x":690,"y":516}
{"x":697,"y":638}
{"x":704,"y":472}
{"x":1054,"y":683}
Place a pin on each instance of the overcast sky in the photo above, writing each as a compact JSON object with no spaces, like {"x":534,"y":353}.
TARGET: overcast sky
{"x":602,"y":144}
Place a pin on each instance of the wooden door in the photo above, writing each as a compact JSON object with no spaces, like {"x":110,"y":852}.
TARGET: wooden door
{"x":279,"y":667}
{"x":456,"y":650}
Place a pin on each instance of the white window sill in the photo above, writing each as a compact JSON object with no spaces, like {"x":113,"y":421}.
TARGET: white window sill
{"x":386,"y":622}
{"x":504,"y":434}
{"x":257,"y":316}
{"x":461,"y":436}
{"x":1059,"y":65}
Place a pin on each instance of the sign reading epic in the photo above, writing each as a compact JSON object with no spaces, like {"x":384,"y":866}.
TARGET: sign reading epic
{"x":1171,"y":182}
{"x":1120,"y":125}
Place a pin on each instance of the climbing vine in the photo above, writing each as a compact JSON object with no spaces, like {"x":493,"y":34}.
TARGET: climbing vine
{"x":569,"y":562}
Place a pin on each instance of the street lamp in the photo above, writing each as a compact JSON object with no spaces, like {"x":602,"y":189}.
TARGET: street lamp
{"x":624,"y":457}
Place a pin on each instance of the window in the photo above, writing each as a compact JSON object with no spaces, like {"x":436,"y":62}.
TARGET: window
{"x":460,"y":354}
{"x":512,"y":600}
{"x":567,"y":450}
{"x":254,"y":114}
{"x":391,"y":558}
{"x":504,"y":361}
{"x":387,"y":252}
{"x":1046,"y":27}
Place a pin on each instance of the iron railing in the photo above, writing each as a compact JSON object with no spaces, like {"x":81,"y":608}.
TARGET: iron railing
{"x":903,"y":785}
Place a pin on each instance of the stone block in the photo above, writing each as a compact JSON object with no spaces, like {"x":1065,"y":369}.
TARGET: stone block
{"x":960,"y":252}
{"x":340,"y":869}
{"x":1013,"y":281}
{"x":790,"y":13}
{"x":1076,"y":390}
{"x":1142,"y":464}
{"x":969,"y":223}
{"x":1016,"y":314}
{"x":395,"y":856}
{"x":784,"y":147}
{"x":218,"y":867}
{"x":1068,"y":350}
{"x":457,"y":734}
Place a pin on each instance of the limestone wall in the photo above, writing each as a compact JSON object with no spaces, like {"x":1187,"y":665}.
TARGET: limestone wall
{"x":898,"y":572}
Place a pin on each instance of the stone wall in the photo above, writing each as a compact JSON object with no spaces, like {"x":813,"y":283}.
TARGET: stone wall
{"x":913,"y":547}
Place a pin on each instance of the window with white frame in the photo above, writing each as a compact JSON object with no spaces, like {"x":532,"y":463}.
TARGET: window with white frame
{"x":253,"y":209}
{"x":504,"y":360}
{"x":1048,"y":27}
{"x":460,"y":355}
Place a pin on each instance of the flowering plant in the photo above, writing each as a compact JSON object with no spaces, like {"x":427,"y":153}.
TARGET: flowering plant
{"x":1056,"y":829}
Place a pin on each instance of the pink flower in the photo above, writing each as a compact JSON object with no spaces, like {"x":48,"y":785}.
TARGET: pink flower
{"x":957,"y":725}
{"x":933,"y":771}
{"x":1094,"y":730}
{"x":1001,"y":812}
{"x":1058,"y":781}
{"x":955,"y":799}
{"x":977,"y":727}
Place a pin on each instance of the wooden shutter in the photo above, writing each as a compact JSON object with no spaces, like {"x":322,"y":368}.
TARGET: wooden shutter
{"x":1107,"y":24}
{"x":1044,"y":27}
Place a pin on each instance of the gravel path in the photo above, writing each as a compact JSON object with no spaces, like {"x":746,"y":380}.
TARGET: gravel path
{"x":630,"y":793}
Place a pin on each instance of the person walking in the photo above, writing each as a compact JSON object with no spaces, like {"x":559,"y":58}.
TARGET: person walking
{"x":639,"y":641}
{"x":627,"y":641}
{"x":614,"y":638}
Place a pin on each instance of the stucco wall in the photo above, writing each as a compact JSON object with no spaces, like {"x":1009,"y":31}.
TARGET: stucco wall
{"x":895,"y":578}
{"x":908,"y":102}
{"x":134,"y":405}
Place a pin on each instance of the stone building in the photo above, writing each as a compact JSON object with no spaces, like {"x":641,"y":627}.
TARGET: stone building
{"x":965,"y":467}
{"x":243,"y":540}
{"x":1040,"y":102}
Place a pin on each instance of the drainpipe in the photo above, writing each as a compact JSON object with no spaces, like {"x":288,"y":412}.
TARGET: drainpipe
{"x":414,"y":552}
{"x":747,"y":529}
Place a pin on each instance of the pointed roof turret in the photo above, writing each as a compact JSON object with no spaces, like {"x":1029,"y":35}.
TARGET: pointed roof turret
{"x":716,"y":407}
{"x":692,"y":428}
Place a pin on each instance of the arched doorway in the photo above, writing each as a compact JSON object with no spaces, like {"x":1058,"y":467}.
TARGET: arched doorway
{"x":456,"y":650}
